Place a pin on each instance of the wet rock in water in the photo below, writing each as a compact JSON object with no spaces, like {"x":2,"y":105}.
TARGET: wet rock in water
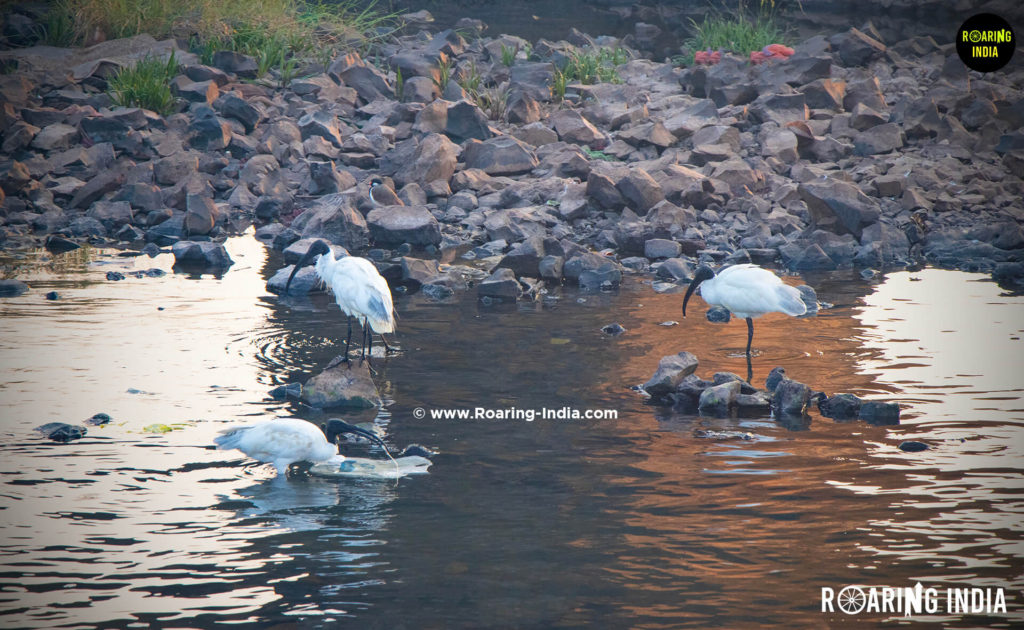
{"x":305,"y":280}
{"x":728,"y":377}
{"x":809,"y":297}
{"x":708,"y":434}
{"x":437,"y":292}
{"x":880,"y":413}
{"x":395,"y":225}
{"x":838,"y":206}
{"x":52,"y":295}
{"x":688,"y":392}
{"x":675,"y":270}
{"x":719,"y":400}
{"x":291,"y":391}
{"x":524,"y":258}
{"x":114,"y":276}
{"x":756,"y":404}
{"x":840,"y":406}
{"x":913,"y":446}
{"x":672,"y":369}
{"x":790,"y":398}
{"x":98,"y":419}
{"x":151,"y":249}
{"x":550,"y":268}
{"x":59,"y":244}
{"x":418,"y":271}
{"x":869,"y":274}
{"x":343,"y":385}
{"x":718,"y":315}
{"x":61,"y":432}
{"x":201,"y":254}
{"x":592,"y":271}
{"x":613,"y":329}
{"x":500,"y":285}
{"x":12,"y":288}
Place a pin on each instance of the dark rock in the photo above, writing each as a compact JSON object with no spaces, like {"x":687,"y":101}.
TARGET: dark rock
{"x":503,"y":155}
{"x":779,"y":108}
{"x":603,"y":190}
{"x":418,"y":271}
{"x":305,"y":281}
{"x":640,"y":191}
{"x":59,"y":244}
{"x":913,"y":446}
{"x":838,"y":206}
{"x":98,"y":419}
{"x":112,"y":214}
{"x":334,"y":219}
{"x":295,"y":251}
{"x":524,"y":258}
{"x":322,"y":124}
{"x":790,"y":398}
{"x":824,"y":94}
{"x":231,"y":106}
{"x":652,"y":133}
{"x":394,"y":225}
{"x":592,"y":271}
{"x":500,"y":285}
{"x":672,"y":369}
{"x":205,"y":92}
{"x":878,"y":139}
{"x":291,"y":391}
{"x":857,"y":49}
{"x":55,"y":137}
{"x":52,"y":295}
{"x":235,"y":63}
{"x":813,"y":258}
{"x":532,"y":78}
{"x":61,"y":432}
{"x":675,"y":270}
{"x":756,"y":404}
{"x":115,"y":276}
{"x":840,"y":406}
{"x":210,"y":133}
{"x":718,"y":315}
{"x":12,"y":288}
{"x":880,"y":413}
{"x":523,"y":109}
{"x":613,"y":329}
{"x":200,"y":215}
{"x":105,"y":182}
{"x":571,"y":126}
{"x":719,"y":400}
{"x":201,"y":254}
{"x":662,"y":248}
{"x":466,"y":121}
{"x":433,"y":161}
{"x":346,"y":385}
{"x":175,"y":168}
{"x":550,"y":268}
{"x":87,"y":227}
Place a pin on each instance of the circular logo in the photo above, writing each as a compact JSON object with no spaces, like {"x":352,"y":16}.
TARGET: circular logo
{"x":985,"y":42}
{"x":852,"y":600}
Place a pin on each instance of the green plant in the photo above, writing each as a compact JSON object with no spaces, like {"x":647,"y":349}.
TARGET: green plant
{"x":508,"y":54}
{"x":58,"y":27}
{"x":558,"y":83}
{"x":595,"y":65}
{"x":146,"y":84}
{"x":493,"y":102}
{"x":470,"y":79}
{"x":594,"y":154}
{"x":444,"y":73}
{"x":740,"y":31}
{"x":399,"y":83}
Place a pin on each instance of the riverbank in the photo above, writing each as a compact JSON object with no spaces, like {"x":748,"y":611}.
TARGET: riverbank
{"x":853,"y":152}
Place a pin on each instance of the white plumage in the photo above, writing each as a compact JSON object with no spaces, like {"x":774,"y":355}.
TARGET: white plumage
{"x":281,"y":442}
{"x":358,"y":288}
{"x":747,"y":291}
{"x":750,"y":291}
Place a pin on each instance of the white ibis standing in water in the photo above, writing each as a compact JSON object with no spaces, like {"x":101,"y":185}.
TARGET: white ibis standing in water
{"x":284,"y":441}
{"x":358,"y":288}
{"x":747,"y":291}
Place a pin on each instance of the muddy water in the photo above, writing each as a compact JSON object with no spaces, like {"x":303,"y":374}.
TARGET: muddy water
{"x":627,"y":522}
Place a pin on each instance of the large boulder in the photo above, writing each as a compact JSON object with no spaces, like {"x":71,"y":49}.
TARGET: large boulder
{"x":334,"y":219}
{"x":838,"y":206}
{"x":503,"y":155}
{"x":433,"y":160}
{"x":394,"y":225}
{"x":672,"y":369}
{"x":201,"y":254}
{"x":345,"y":385}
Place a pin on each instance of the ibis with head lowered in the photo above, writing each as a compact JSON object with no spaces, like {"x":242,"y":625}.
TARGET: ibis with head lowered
{"x":746,"y":291}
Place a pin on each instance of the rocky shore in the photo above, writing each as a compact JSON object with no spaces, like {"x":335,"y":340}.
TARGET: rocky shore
{"x":854,"y":152}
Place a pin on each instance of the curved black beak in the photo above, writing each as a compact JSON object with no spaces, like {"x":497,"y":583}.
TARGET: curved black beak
{"x":317,"y":248}
{"x":702,"y":273}
{"x":336,"y":427}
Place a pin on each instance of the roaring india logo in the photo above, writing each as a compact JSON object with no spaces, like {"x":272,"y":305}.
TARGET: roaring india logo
{"x":985,"y":42}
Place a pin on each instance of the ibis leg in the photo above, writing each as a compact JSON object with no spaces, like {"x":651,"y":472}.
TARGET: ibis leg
{"x":348,"y":339}
{"x":750,"y":370}
{"x":750,"y":334}
{"x":387,"y":347}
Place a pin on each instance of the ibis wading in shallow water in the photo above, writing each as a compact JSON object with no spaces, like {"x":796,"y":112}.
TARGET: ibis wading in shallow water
{"x":358,"y":288}
{"x":747,"y":291}
{"x":284,"y":441}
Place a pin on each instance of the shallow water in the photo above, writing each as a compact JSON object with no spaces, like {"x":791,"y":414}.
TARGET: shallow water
{"x":628,"y":522}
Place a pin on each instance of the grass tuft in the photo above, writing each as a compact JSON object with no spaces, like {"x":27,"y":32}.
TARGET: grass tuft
{"x":595,"y":65}
{"x":147,"y":84}
{"x":740,"y":32}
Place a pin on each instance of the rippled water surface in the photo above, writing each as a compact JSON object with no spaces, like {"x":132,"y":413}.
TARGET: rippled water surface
{"x":629,"y":522}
